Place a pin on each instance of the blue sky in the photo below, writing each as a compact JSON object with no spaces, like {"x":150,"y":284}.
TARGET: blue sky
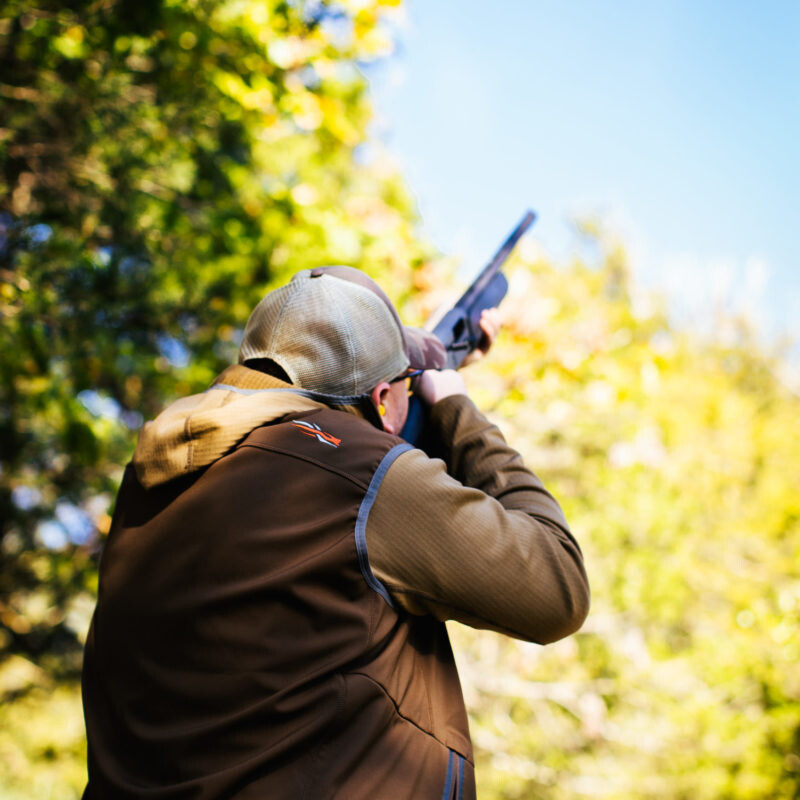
{"x":677,"y":122}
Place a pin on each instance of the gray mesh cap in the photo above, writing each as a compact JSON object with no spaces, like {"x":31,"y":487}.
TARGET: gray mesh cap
{"x":333,"y":330}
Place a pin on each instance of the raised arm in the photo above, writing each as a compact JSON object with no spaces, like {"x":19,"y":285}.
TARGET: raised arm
{"x":482,"y":541}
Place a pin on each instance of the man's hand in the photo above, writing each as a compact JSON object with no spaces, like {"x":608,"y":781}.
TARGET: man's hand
{"x":490,"y":326}
{"x":434,"y":385}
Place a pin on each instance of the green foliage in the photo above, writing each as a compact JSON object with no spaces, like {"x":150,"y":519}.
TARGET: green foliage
{"x":677,"y":459}
{"x":161,"y":164}
{"x":42,"y":739}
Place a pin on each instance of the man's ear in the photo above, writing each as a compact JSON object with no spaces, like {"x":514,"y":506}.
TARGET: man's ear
{"x":391,"y":408}
{"x":380,"y":396}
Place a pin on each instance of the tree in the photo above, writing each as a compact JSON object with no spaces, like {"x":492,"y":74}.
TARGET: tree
{"x":675,"y":456}
{"x":162,"y":163}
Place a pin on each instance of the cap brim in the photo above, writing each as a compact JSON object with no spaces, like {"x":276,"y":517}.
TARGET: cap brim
{"x":424,"y":350}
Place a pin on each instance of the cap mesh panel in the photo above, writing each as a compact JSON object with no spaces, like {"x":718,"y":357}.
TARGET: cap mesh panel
{"x":330,"y":335}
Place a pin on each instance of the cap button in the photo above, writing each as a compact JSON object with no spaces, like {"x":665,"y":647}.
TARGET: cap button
{"x":316,"y":273}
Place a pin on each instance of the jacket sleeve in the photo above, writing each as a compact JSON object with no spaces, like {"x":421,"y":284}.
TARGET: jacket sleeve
{"x":472,"y":534}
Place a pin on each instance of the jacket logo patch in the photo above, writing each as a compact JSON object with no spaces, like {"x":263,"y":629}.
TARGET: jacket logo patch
{"x":310,"y":429}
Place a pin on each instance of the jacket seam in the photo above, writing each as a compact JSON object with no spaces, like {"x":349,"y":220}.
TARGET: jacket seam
{"x":309,"y":459}
{"x":363,"y":515}
{"x":405,"y":718}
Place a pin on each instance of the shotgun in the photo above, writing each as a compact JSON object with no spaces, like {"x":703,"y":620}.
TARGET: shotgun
{"x":459,"y":329}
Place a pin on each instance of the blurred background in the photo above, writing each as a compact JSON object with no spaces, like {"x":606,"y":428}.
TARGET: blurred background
{"x":164,"y":164}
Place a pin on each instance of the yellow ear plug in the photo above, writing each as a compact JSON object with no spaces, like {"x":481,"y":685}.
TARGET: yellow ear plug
{"x":382,"y":409}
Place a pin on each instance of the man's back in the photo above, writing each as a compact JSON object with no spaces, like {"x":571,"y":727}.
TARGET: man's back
{"x":239,"y":649}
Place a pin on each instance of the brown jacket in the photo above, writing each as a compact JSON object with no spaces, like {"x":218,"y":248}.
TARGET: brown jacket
{"x":271,"y":590}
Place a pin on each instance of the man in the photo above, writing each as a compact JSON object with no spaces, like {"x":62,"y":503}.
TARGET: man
{"x":269,"y":620}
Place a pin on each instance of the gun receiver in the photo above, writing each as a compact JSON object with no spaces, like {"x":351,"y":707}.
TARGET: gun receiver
{"x":459,"y":329}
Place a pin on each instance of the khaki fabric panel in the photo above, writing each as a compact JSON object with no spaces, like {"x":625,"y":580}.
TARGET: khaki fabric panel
{"x":198,"y":430}
{"x":445,"y":547}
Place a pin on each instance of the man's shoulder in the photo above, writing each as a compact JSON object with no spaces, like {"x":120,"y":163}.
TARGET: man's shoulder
{"x":331,"y":439}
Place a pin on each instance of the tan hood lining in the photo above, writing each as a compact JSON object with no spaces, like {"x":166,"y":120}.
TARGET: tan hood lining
{"x":196,"y":431}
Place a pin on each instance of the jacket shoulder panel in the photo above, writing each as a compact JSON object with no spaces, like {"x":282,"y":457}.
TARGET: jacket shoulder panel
{"x":344,"y":445}
{"x":335,"y":440}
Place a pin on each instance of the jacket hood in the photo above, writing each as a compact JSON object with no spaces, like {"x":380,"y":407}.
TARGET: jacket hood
{"x":196,"y":431}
